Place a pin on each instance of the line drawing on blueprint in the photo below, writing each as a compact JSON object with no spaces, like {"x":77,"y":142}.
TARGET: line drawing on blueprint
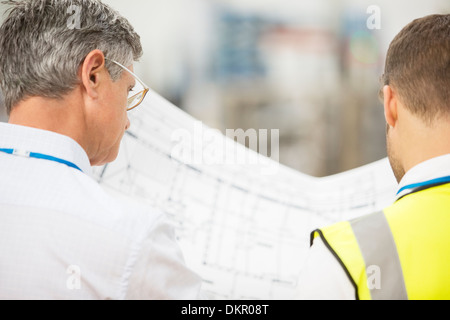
{"x":245,"y":233}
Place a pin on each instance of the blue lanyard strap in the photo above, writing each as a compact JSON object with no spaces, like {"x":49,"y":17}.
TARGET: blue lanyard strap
{"x":40,"y":156}
{"x":442,"y":180}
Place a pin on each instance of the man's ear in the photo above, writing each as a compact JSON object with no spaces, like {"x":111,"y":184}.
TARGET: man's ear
{"x":91,"y":72}
{"x":390,"y":106}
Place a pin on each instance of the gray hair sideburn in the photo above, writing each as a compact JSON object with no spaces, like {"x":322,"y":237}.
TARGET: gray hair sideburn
{"x":41,"y":49}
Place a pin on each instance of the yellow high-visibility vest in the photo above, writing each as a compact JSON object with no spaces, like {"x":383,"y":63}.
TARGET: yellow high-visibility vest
{"x":400,"y":253}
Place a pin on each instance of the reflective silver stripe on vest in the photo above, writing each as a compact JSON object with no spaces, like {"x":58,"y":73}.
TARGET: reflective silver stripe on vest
{"x":378,"y":249}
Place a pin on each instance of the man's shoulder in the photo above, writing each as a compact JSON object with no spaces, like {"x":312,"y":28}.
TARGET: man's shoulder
{"x":115,"y":207}
{"x":437,"y":198}
{"x":80,"y":196}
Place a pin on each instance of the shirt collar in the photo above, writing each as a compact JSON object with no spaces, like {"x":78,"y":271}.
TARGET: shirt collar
{"x":45,"y":142}
{"x":423,"y":173}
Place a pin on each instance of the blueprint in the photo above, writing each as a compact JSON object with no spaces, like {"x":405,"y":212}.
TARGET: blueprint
{"x":243,"y":226}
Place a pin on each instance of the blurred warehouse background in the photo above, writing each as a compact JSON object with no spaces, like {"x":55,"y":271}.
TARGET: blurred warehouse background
{"x":309,"y":68}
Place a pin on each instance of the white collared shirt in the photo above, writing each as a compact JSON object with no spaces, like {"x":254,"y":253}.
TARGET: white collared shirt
{"x":63,"y":237}
{"x":322,"y":277}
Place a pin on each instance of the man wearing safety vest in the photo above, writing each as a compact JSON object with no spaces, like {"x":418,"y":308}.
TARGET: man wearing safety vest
{"x":402,"y":252}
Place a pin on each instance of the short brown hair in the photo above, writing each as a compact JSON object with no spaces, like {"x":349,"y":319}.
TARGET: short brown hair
{"x":418,"y":66}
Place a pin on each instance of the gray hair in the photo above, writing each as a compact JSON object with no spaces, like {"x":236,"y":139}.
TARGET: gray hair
{"x":44,"y":42}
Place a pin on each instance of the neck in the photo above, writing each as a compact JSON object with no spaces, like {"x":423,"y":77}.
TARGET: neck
{"x":64,"y":116}
{"x":426,"y":142}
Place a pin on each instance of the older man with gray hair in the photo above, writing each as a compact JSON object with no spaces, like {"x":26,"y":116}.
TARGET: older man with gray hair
{"x":67,"y":80}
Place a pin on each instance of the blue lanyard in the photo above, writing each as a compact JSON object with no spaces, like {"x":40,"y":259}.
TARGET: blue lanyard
{"x":437,"y":181}
{"x":40,"y":156}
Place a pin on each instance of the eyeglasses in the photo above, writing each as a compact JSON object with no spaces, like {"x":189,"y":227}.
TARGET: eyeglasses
{"x":134,"y":99}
